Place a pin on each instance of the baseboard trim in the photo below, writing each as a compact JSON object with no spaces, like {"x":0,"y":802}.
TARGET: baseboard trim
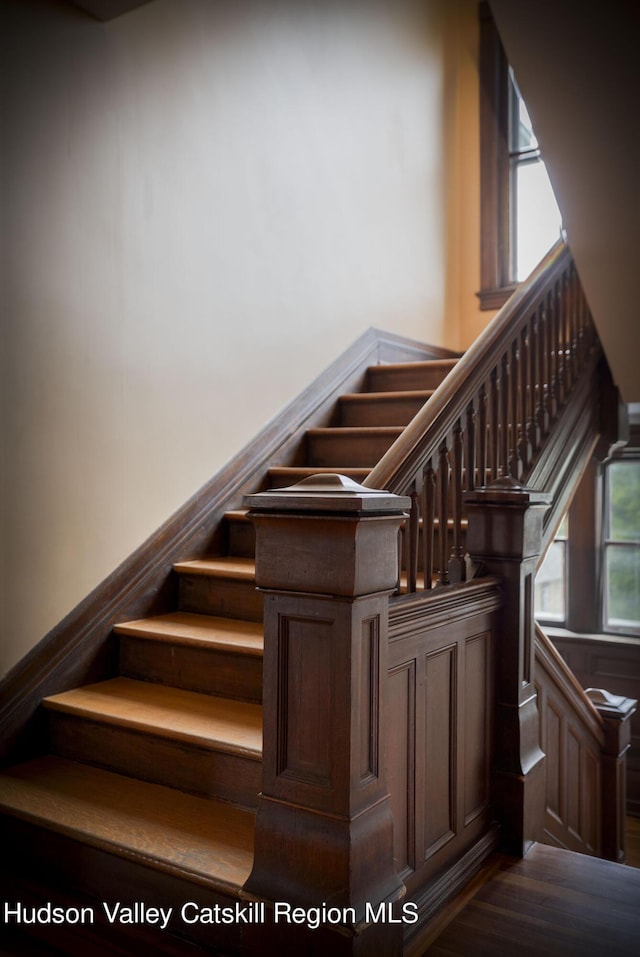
{"x":446,"y":895}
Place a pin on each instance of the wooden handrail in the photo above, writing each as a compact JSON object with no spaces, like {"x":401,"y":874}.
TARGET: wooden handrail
{"x":548,"y":657}
{"x":585,"y":737}
{"x":491,"y":416}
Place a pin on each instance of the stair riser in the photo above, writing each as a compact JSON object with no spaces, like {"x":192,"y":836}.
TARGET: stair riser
{"x":280,"y":481}
{"x":241,"y":538}
{"x":44,"y":866}
{"x":187,"y":767}
{"x":334,"y":449}
{"x":225,"y":598}
{"x":379,"y":411}
{"x":392,"y":379}
{"x":206,"y":670}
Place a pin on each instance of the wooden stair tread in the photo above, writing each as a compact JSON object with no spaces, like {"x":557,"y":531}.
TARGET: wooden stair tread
{"x":356,"y":431}
{"x":418,"y":364}
{"x":196,"y":838}
{"x":398,"y":396}
{"x":187,"y":716}
{"x":237,"y":515}
{"x":208,"y":631}
{"x":298,"y":472}
{"x":225,"y":566}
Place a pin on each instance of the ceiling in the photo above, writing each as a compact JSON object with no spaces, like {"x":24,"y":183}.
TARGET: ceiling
{"x":108,"y":9}
{"x":578,"y":68}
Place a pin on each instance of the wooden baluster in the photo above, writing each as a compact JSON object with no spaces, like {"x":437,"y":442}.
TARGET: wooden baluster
{"x":456,"y":561}
{"x":543,"y":344}
{"x":552,"y":354}
{"x":515,"y":462}
{"x":581,"y":350}
{"x":525,"y":446}
{"x":569,"y":363}
{"x":413,"y":539}
{"x":443,"y":512}
{"x":482,"y":437}
{"x":470,"y":449}
{"x":534,"y":378}
{"x":504,"y":416}
{"x":428,"y":519}
{"x":573,"y":319}
{"x":493,"y":429}
{"x":560,"y":378}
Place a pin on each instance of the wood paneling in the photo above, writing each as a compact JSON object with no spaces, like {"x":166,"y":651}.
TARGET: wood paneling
{"x":572,"y":738}
{"x":440,"y":714}
{"x":440,"y":689}
{"x":613,"y":663}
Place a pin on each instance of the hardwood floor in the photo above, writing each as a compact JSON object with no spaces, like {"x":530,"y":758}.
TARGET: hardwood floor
{"x":552,"y":902}
{"x":633,"y":841}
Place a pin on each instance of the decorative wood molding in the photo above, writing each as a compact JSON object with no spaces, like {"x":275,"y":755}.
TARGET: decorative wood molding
{"x":81,"y":648}
{"x":431,"y":899}
{"x":413,"y":614}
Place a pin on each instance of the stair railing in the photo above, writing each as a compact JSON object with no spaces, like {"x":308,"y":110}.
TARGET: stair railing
{"x":490,"y":417}
{"x":585,"y":737}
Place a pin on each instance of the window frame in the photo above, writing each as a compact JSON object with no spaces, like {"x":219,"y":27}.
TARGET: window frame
{"x":606,"y":542}
{"x":496,"y":285}
{"x":585,"y":569}
{"x":500,"y":162}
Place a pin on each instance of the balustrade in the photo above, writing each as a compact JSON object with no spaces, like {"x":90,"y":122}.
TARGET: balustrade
{"x":490,"y":417}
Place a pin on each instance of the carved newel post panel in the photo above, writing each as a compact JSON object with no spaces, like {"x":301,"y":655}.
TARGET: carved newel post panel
{"x":326,"y":562}
{"x":505,"y":535}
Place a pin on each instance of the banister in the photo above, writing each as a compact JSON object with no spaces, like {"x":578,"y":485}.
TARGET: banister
{"x":491,"y":417}
{"x":452,"y":396}
{"x":568,"y":684}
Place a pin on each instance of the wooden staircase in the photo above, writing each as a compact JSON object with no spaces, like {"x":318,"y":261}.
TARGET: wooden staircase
{"x":152,"y":776}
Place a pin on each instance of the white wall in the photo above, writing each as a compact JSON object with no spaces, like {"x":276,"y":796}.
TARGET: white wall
{"x":206,"y":202}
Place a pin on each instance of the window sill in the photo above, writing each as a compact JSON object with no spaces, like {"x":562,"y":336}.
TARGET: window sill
{"x":556,"y":632}
{"x":495,"y":298}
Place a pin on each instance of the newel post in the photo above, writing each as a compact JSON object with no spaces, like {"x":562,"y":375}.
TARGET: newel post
{"x":616,"y":711}
{"x":505,"y":535}
{"x":326,"y":562}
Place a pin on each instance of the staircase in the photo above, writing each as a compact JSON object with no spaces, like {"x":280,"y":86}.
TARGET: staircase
{"x":133,"y":735}
{"x":149,"y":787}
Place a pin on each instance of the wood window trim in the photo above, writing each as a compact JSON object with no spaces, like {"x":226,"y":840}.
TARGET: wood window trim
{"x":495,"y":254}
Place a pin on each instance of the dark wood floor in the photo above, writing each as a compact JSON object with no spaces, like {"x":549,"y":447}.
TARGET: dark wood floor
{"x":633,"y":841}
{"x":552,"y":903}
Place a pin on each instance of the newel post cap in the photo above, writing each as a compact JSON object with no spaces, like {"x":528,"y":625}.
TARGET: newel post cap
{"x":328,"y":492}
{"x":507,"y":492}
{"x":327,"y":535}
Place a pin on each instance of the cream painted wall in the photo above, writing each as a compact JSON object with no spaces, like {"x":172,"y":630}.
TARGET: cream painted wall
{"x":206,"y":202}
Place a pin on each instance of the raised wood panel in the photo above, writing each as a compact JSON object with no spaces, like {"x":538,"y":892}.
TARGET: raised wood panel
{"x":441,"y":727}
{"x":571,"y":739}
{"x":572,"y":771}
{"x":369,"y":695}
{"x":305,"y":689}
{"x":553,"y":750}
{"x":477,"y":726}
{"x":401,"y":768}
